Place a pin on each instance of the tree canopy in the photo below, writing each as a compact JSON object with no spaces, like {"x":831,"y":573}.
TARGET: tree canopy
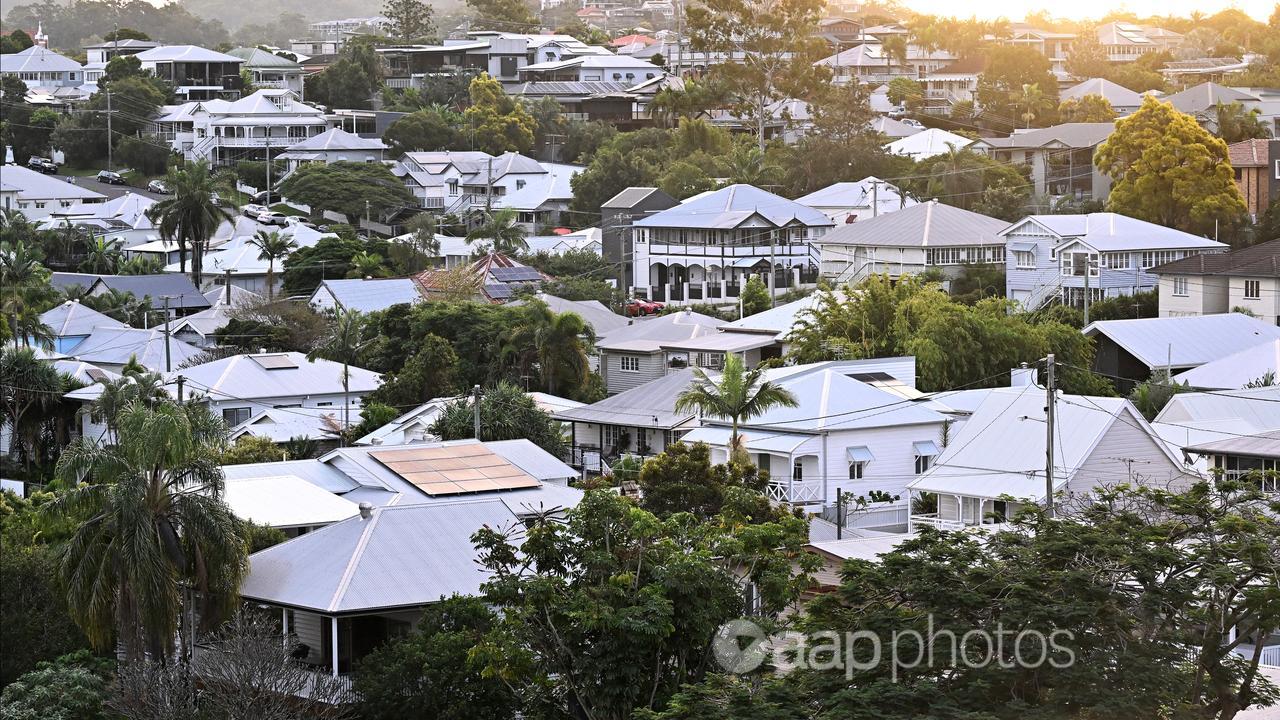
{"x":350,"y":188}
{"x":496,"y":121}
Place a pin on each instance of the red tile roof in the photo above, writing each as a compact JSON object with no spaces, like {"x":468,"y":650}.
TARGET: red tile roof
{"x":1248,"y":153}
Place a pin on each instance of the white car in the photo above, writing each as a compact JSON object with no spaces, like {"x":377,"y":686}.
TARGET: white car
{"x":253,"y":211}
{"x":912,"y":122}
{"x":271,"y":217}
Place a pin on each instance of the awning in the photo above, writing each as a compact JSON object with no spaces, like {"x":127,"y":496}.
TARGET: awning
{"x":748,"y":262}
{"x":860,"y":453}
{"x":926,"y":448}
{"x":1022,"y":246}
{"x":755,"y":440}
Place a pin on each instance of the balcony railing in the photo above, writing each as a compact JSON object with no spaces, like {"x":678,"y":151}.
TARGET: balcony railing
{"x":797,"y":492}
{"x":934,"y":521}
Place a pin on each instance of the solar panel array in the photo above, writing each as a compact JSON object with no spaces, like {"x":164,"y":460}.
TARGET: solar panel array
{"x":515,"y":274}
{"x":455,"y":470}
{"x":274,"y":362}
{"x":497,"y":292}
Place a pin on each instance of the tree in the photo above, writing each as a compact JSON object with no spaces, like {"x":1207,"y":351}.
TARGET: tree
{"x":351,"y":81}
{"x":1168,"y":170}
{"x":145,"y":156}
{"x":1151,"y":395}
{"x":755,"y":297}
{"x":251,"y":449}
{"x":101,"y":257}
{"x":190,"y":216}
{"x":347,"y":336}
{"x":366,"y":265}
{"x":426,"y":129}
{"x":272,"y":246}
{"x":497,"y":122}
{"x":61,"y":690}
{"x":351,"y":188}
{"x":737,"y":395}
{"x":555,"y":345}
{"x":501,"y":231}
{"x":506,"y":413}
{"x":153,"y":525}
{"x":1235,"y":123}
{"x":683,"y":480}
{"x":429,"y":373}
{"x":26,"y":384}
{"x":1032,"y":103}
{"x":419,"y":247}
{"x":428,"y":673}
{"x":1004,"y":88}
{"x":16,"y":41}
{"x":35,"y":623}
{"x":779,"y":50}
{"x":25,"y":291}
{"x":306,"y":267}
{"x":504,"y":15}
{"x":1087,"y":58}
{"x":409,"y":19}
{"x":27,"y":130}
{"x":1087,"y":108}
{"x":907,"y":92}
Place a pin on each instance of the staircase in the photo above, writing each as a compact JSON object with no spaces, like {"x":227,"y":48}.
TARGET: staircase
{"x":1042,"y":295}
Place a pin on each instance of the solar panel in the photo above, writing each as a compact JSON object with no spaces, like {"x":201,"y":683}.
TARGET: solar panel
{"x":497,"y":292}
{"x":455,"y":470}
{"x":274,"y":362}
{"x":96,"y":375}
{"x":515,"y":274}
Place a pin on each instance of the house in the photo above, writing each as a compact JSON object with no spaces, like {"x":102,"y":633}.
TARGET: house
{"x":172,"y":289}
{"x":619,"y":102}
{"x":1243,"y":457}
{"x":121,"y":220}
{"x":996,"y":462}
{"x":1125,"y":42}
{"x":320,"y":426}
{"x":1133,"y":350}
{"x":198,"y":328}
{"x":37,"y":196}
{"x":1252,"y":365}
{"x":226,"y":132}
{"x":196,"y":73}
{"x":1123,"y":100}
{"x":111,"y":347}
{"x":40,"y":67}
{"x":890,"y":128}
{"x":911,"y":241}
{"x":494,"y":278}
{"x":367,"y":295}
{"x":1056,"y":46}
{"x":592,"y":68}
{"x":709,"y":245}
{"x":241,"y":264}
{"x":856,"y":429}
{"x":869,"y":63}
{"x":616,"y":217}
{"x":330,"y":36}
{"x":846,"y":202}
{"x":334,"y":145}
{"x":1257,"y":167}
{"x":459,"y":181}
{"x":72,"y":322}
{"x":928,"y":143}
{"x":268,"y":70}
{"x":415,"y":426}
{"x":1246,"y":279}
{"x":634,"y":355}
{"x":102,"y":53}
{"x":599,"y":318}
{"x":500,"y":54}
{"x":1098,"y":255}
{"x":956,"y":82}
{"x":1060,"y":157}
{"x":641,"y":420}
{"x":1201,"y":102}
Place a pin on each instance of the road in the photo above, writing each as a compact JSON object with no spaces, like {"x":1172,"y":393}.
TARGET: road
{"x":111,"y":191}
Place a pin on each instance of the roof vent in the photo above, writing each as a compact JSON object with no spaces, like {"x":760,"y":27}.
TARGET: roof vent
{"x":366,"y":511}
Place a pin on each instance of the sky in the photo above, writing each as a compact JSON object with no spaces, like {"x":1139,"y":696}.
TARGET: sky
{"x":1084,"y":9}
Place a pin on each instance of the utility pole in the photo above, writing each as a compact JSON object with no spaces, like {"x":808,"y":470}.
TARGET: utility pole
{"x":227,"y":282}
{"x":268,"y":148}
{"x":488,"y":187}
{"x":1049,"y":412}
{"x":110,"y":166}
{"x":875,"y":197}
{"x":1088,"y":268}
{"x":475,"y":408}
{"x":168,"y":359}
{"x":839,"y":514}
{"x":368,"y":222}
{"x":181,"y":380}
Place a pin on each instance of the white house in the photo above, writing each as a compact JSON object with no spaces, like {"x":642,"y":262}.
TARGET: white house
{"x":1125,"y":42}
{"x":869,"y":63}
{"x":593,"y":68}
{"x":40,"y":67}
{"x":846,"y":202}
{"x":72,"y":322}
{"x":111,"y":347}
{"x":1047,"y":256}
{"x":1060,"y":157}
{"x":1133,"y":350}
{"x":225,"y":132}
{"x":240,"y":263}
{"x":458,"y":181}
{"x":633,"y":355}
{"x":365,"y":295}
{"x":268,"y":70}
{"x":1248,"y":278}
{"x":334,"y":145}
{"x":37,"y":196}
{"x":501,"y":54}
{"x":709,"y":245}
{"x":198,"y":328}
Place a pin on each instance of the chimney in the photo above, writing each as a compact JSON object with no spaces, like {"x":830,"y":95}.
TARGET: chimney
{"x":1022,"y":376}
{"x":366,"y":511}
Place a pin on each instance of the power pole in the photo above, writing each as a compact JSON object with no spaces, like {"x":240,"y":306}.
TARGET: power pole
{"x":268,"y":149}
{"x":875,"y":198}
{"x":488,"y":187}
{"x":181,"y":380}
{"x":227,"y":282}
{"x":110,"y":166}
{"x":475,"y":408}
{"x":368,"y":222}
{"x":1049,"y":412}
{"x":168,"y":359}
{"x":1088,"y":267}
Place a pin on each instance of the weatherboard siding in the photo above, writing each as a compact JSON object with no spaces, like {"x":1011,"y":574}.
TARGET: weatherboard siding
{"x":616,"y":380}
{"x":1127,"y":453}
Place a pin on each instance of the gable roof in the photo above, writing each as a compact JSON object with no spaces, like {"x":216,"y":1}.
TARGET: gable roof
{"x":274,"y":375}
{"x":1261,"y":260}
{"x":185,"y":53}
{"x":370,"y":295}
{"x":1182,"y":342}
{"x":648,"y":336}
{"x":1250,"y":153}
{"x":890,"y":127}
{"x":929,"y":224}
{"x":36,"y":58}
{"x":281,"y":425}
{"x":72,"y":318}
{"x":652,"y":404}
{"x":1205,"y":96}
{"x":927,"y":144}
{"x":1115,"y":232}
{"x":338,"y":139}
{"x":601,"y":319}
{"x":632,"y":196}
{"x":177,"y":287}
{"x":259,"y":58}
{"x":1235,"y":370}
{"x":285,"y":501}
{"x":115,"y":345}
{"x":1258,"y":408}
{"x":1118,"y":95}
{"x":733,"y":205}
{"x":1073,"y":135}
{"x":858,"y":195}
{"x":38,"y":186}
{"x":829,"y":400}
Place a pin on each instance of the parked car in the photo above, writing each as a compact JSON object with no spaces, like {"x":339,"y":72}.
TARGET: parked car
{"x":111,"y":178}
{"x":636,"y":307}
{"x":43,"y":164}
{"x":158,"y":187}
{"x":912,"y":122}
{"x":252,"y":211}
{"x":265,"y":198}
{"x":271,"y":217}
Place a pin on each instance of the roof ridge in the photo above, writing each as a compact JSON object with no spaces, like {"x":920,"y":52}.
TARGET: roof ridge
{"x":356,"y":556}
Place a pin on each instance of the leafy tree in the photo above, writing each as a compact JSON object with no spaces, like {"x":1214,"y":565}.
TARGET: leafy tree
{"x":1004,"y":88}
{"x":419,"y":247}
{"x":102,"y":256}
{"x":153,"y":524}
{"x":506,"y":413}
{"x":736,"y":395}
{"x":504,"y":15}
{"x":683,"y":480}
{"x":907,"y":92}
{"x":445,"y":90}
{"x":496,"y":121}
{"x":24,"y":286}
{"x":272,"y":246}
{"x":1088,"y":108}
{"x":429,"y":673}
{"x":426,"y":129}
{"x":1235,"y":123}
{"x":582,"y":139}
{"x":962,"y":178}
{"x":27,"y":130}
{"x":779,"y":49}
{"x":122,"y":66}
{"x":367,"y":265}
{"x":755,"y":297}
{"x":34,"y":622}
{"x":685,"y":178}
{"x":1087,"y":58}
{"x":16,"y":41}
{"x":429,"y":373}
{"x":501,"y":232}
{"x":59,"y":690}
{"x":554,"y":345}
{"x":145,"y":156}
{"x":1151,"y":395}
{"x":251,"y":449}
{"x":1168,"y":170}
{"x":610,"y":172}
{"x":350,"y":188}
{"x":27,"y":384}
{"x":125,"y":33}
{"x":330,"y":257}
{"x":190,"y":216}
{"x":350,"y":82}
{"x":409,"y":19}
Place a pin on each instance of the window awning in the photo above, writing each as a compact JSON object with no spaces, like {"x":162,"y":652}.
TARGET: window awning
{"x":925,"y":448}
{"x":1022,"y":246}
{"x":860,"y":453}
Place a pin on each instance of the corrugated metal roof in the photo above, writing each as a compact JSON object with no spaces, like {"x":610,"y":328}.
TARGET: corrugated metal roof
{"x":371,"y":295}
{"x":1259,"y":407}
{"x":1118,"y":95}
{"x":1107,"y":231}
{"x":115,"y":345}
{"x":650,"y":335}
{"x":601,"y":319}
{"x":755,"y":441}
{"x":828,"y":399}
{"x":929,"y":224}
{"x":1264,"y":445}
{"x":36,"y":58}
{"x":650,"y":405}
{"x":185,"y":53}
{"x":178,"y":288}
{"x":240,"y":377}
{"x":285,"y":501}
{"x":1206,"y":96}
{"x":1185,"y":342}
{"x":858,"y":195}
{"x":926,"y":144}
{"x":72,"y":318}
{"x":1235,"y":370}
{"x":1261,"y":260}
{"x":1074,"y":135}
{"x":731,"y":206}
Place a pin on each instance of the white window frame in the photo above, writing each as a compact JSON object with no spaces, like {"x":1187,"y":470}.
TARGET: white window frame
{"x":857,"y":470}
{"x":629,"y":363}
{"x":1180,"y":285}
{"x":1257,"y":290}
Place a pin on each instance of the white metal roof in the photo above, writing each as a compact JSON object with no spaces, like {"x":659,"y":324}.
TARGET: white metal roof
{"x":115,"y":345}
{"x":338,"y":139}
{"x":1235,"y":370}
{"x":248,"y":377}
{"x":38,"y":186}
{"x":280,"y":425}
{"x":72,"y":318}
{"x":370,"y":295}
{"x":754,"y":440}
{"x":185,"y":53}
{"x":929,"y":224}
{"x":927,"y":144}
{"x":854,"y":195}
{"x":1118,"y":95}
{"x":601,"y":319}
{"x":1259,"y":407}
{"x":829,"y":400}
{"x":1108,"y":232}
{"x":731,"y":206}
{"x":648,"y":336}
{"x":1185,"y":342}
{"x":37,"y":58}
{"x":285,"y":501}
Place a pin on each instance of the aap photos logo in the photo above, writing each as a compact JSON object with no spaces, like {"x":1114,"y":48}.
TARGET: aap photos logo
{"x":739,"y":646}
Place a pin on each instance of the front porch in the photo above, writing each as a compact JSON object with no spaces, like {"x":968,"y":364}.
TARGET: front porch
{"x":952,"y":511}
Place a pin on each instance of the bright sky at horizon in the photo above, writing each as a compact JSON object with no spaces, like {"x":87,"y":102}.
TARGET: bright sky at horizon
{"x":1086,"y":9}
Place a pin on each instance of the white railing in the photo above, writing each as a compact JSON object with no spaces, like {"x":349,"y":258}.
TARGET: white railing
{"x":802,"y":492}
{"x":273,"y":84}
{"x":876,"y":517}
{"x":399,"y":83}
{"x":1043,"y":294}
{"x":932,"y":520}
{"x":1270,"y":656}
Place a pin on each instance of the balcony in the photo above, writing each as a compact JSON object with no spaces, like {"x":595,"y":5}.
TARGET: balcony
{"x":934,"y":521}
{"x":303,"y":684}
{"x":797,"y":492}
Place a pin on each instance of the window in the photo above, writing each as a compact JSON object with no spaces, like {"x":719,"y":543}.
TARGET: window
{"x":39,"y":203}
{"x":520,"y":184}
{"x":1116,"y":261}
{"x":1252,"y":289}
{"x":1179,"y":285}
{"x":630,"y":363}
{"x":797,"y":470}
{"x":856,"y":469}
{"x":671,"y":437}
{"x":235,"y":416}
{"x":324,"y":404}
{"x":1025,"y":258}
{"x":1160,"y":257}
{"x":613,"y":438}
{"x":923,"y":462}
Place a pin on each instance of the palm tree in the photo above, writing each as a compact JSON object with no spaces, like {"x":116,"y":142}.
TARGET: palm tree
{"x":343,"y":342}
{"x":1032,"y":101}
{"x":748,"y":165}
{"x":153,"y":527}
{"x":190,"y":216}
{"x":272,"y":246}
{"x":557,"y":343}
{"x":895,"y":47}
{"x":501,"y":229}
{"x":958,"y":176}
{"x":141,"y":265}
{"x":366,"y":264}
{"x":26,"y":383}
{"x":101,"y":257}
{"x":738,"y":395}
{"x":134,"y":386}
{"x":24,"y":291}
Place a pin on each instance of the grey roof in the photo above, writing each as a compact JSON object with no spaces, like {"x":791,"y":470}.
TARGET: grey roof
{"x":650,"y":405}
{"x":893,"y":128}
{"x":338,"y":139}
{"x":182,"y":294}
{"x":1074,"y":135}
{"x":1265,"y":445}
{"x":127,"y":43}
{"x":63,"y":281}
{"x":1205,"y":96}
{"x":1182,"y":342}
{"x":1107,"y":232}
{"x":320,"y":474}
{"x":115,"y":345}
{"x":929,"y":224}
{"x":1235,"y":370}
{"x":1118,"y":95}
{"x":371,"y":295}
{"x":629,"y":198}
{"x":37,"y":58}
{"x":276,"y":375}
{"x":402,"y":556}
{"x":650,"y":335}
{"x":858,"y":195}
{"x":730,"y":207}
{"x":1257,"y":409}
{"x":601,"y":319}
{"x":71,"y":318}
{"x":259,"y":58}
{"x":777,"y":320}
{"x":722,"y":342}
